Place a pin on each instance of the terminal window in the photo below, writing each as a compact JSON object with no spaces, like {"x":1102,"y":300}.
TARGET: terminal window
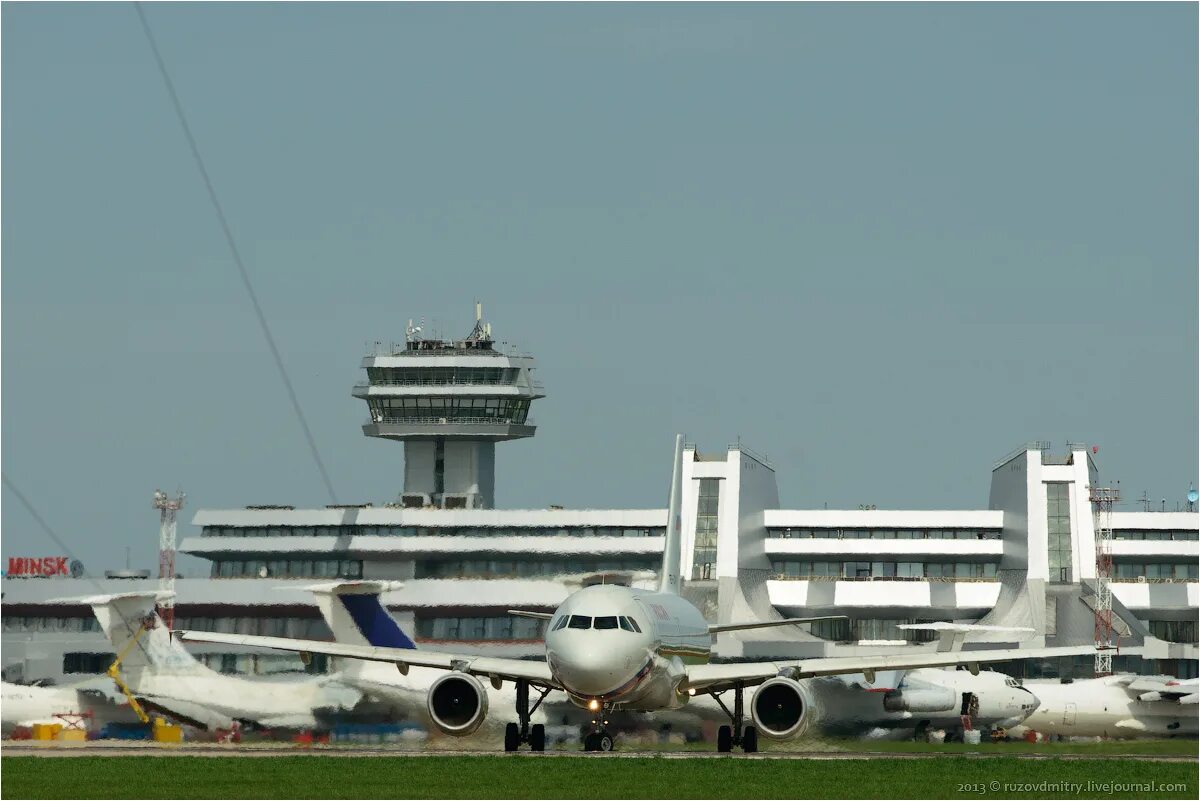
{"x":704,"y":551}
{"x":1058,"y":531}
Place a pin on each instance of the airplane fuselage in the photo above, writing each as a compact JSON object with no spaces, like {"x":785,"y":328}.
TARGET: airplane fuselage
{"x":26,"y":705}
{"x":217,"y":701}
{"x":1103,"y":708}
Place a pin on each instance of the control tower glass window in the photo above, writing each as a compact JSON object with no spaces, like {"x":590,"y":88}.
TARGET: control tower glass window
{"x":704,"y":552}
{"x":498,"y":410}
{"x":1058,"y":531}
{"x":430,"y":376}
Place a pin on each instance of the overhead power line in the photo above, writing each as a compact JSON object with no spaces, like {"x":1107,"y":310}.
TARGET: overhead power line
{"x":33,"y":512}
{"x":233,"y":249}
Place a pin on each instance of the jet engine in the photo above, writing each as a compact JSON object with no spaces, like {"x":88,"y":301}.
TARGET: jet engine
{"x":778,"y":707}
{"x":923,"y":699}
{"x":457,"y":703}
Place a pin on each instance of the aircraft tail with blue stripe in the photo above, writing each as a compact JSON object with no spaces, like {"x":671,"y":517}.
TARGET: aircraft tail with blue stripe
{"x":355,"y":613}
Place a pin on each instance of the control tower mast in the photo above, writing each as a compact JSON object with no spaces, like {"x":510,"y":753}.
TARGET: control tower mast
{"x":168,"y":509}
{"x":1102,"y":499}
{"x":449,"y":402}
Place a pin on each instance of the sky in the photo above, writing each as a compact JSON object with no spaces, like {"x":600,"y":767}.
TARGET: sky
{"x":882,"y":244}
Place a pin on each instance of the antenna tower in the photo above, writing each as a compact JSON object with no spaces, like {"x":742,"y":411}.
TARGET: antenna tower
{"x":168,"y":509}
{"x":1102,"y":499}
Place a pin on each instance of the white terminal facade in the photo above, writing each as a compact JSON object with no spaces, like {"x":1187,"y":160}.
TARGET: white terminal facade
{"x":1026,"y":560}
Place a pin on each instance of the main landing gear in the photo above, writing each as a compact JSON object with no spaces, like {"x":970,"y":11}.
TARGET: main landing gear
{"x":535,"y":735}
{"x":599,"y":738}
{"x":735,"y":734}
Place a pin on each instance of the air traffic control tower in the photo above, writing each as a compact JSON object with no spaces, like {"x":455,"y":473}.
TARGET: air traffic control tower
{"x":449,"y":402}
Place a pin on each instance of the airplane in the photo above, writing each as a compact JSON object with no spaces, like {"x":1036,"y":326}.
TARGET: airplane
{"x":164,"y":676}
{"x":612,"y":647}
{"x":23,"y":705}
{"x":919,"y":700}
{"x":356,"y":615}
{"x":1123,"y":706}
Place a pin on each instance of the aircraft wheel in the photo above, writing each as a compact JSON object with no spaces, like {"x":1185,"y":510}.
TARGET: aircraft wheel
{"x":604,"y":741}
{"x":724,"y":740}
{"x":589,"y":742}
{"x":537,"y":737}
{"x":512,"y":737}
{"x":749,"y":740}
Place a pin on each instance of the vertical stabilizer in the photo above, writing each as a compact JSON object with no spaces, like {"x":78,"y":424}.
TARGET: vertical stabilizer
{"x":670,"y":581}
{"x":356,"y":615}
{"x":156,"y":651}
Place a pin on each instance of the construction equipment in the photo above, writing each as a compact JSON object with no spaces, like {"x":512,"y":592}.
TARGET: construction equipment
{"x":160,"y":729}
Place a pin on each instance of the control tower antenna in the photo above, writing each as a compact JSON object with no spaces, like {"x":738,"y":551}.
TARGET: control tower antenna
{"x":168,"y":509}
{"x":1102,"y":499}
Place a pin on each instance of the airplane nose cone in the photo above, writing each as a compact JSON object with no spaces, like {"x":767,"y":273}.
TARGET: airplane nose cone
{"x":591,"y":670}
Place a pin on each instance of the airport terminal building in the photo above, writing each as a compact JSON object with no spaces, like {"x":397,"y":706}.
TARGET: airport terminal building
{"x":1026,"y":559}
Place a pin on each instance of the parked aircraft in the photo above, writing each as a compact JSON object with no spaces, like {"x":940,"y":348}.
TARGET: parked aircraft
{"x":918,"y":700}
{"x":612,"y":647}
{"x":164,"y":676}
{"x":1123,"y":706}
{"x":24,"y":705}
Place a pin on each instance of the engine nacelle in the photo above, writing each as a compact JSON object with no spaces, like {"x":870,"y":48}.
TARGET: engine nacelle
{"x":778,"y":707}
{"x":457,"y":703}
{"x":925,"y":699}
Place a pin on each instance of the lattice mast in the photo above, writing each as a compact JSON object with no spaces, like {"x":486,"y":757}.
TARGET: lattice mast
{"x":168,"y":509}
{"x":1102,"y":499}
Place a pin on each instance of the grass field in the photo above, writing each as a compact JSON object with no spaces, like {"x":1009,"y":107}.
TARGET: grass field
{"x":525,"y":776}
{"x":1105,"y":748}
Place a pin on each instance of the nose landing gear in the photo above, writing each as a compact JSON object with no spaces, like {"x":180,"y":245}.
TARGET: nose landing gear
{"x":535,"y":735}
{"x":735,"y":734}
{"x":599,"y":738}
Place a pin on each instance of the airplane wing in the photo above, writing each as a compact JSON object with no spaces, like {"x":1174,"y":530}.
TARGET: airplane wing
{"x":759,"y":624}
{"x":534,"y":615}
{"x":1161,"y":688}
{"x":486,"y":666}
{"x":715,"y":678}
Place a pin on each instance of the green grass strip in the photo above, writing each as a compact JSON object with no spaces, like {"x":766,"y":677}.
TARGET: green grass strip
{"x":526,"y":776}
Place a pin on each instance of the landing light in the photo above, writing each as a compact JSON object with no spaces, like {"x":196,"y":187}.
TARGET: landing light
{"x":593,"y":704}
{"x":691,"y":690}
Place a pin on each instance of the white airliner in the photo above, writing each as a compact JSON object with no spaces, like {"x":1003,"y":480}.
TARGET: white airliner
{"x":24,"y":705}
{"x":356,"y":616}
{"x":612,"y":647}
{"x":164,"y":676}
{"x":1122,"y":706}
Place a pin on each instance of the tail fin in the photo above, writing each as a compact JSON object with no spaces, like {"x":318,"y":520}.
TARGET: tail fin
{"x":122,"y":616}
{"x":670,"y":580}
{"x":356,"y":616}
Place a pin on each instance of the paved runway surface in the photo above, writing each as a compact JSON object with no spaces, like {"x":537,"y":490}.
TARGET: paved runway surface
{"x":144,"y":749}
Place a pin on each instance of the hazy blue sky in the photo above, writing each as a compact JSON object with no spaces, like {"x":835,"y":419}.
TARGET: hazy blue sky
{"x":883,"y":244}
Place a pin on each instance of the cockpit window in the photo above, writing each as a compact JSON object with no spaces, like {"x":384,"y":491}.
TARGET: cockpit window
{"x":580,"y":622}
{"x":629,"y":624}
{"x":606,"y":623}
{"x":562,"y":621}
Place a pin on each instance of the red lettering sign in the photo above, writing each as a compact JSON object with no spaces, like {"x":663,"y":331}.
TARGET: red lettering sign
{"x":38,"y":566}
